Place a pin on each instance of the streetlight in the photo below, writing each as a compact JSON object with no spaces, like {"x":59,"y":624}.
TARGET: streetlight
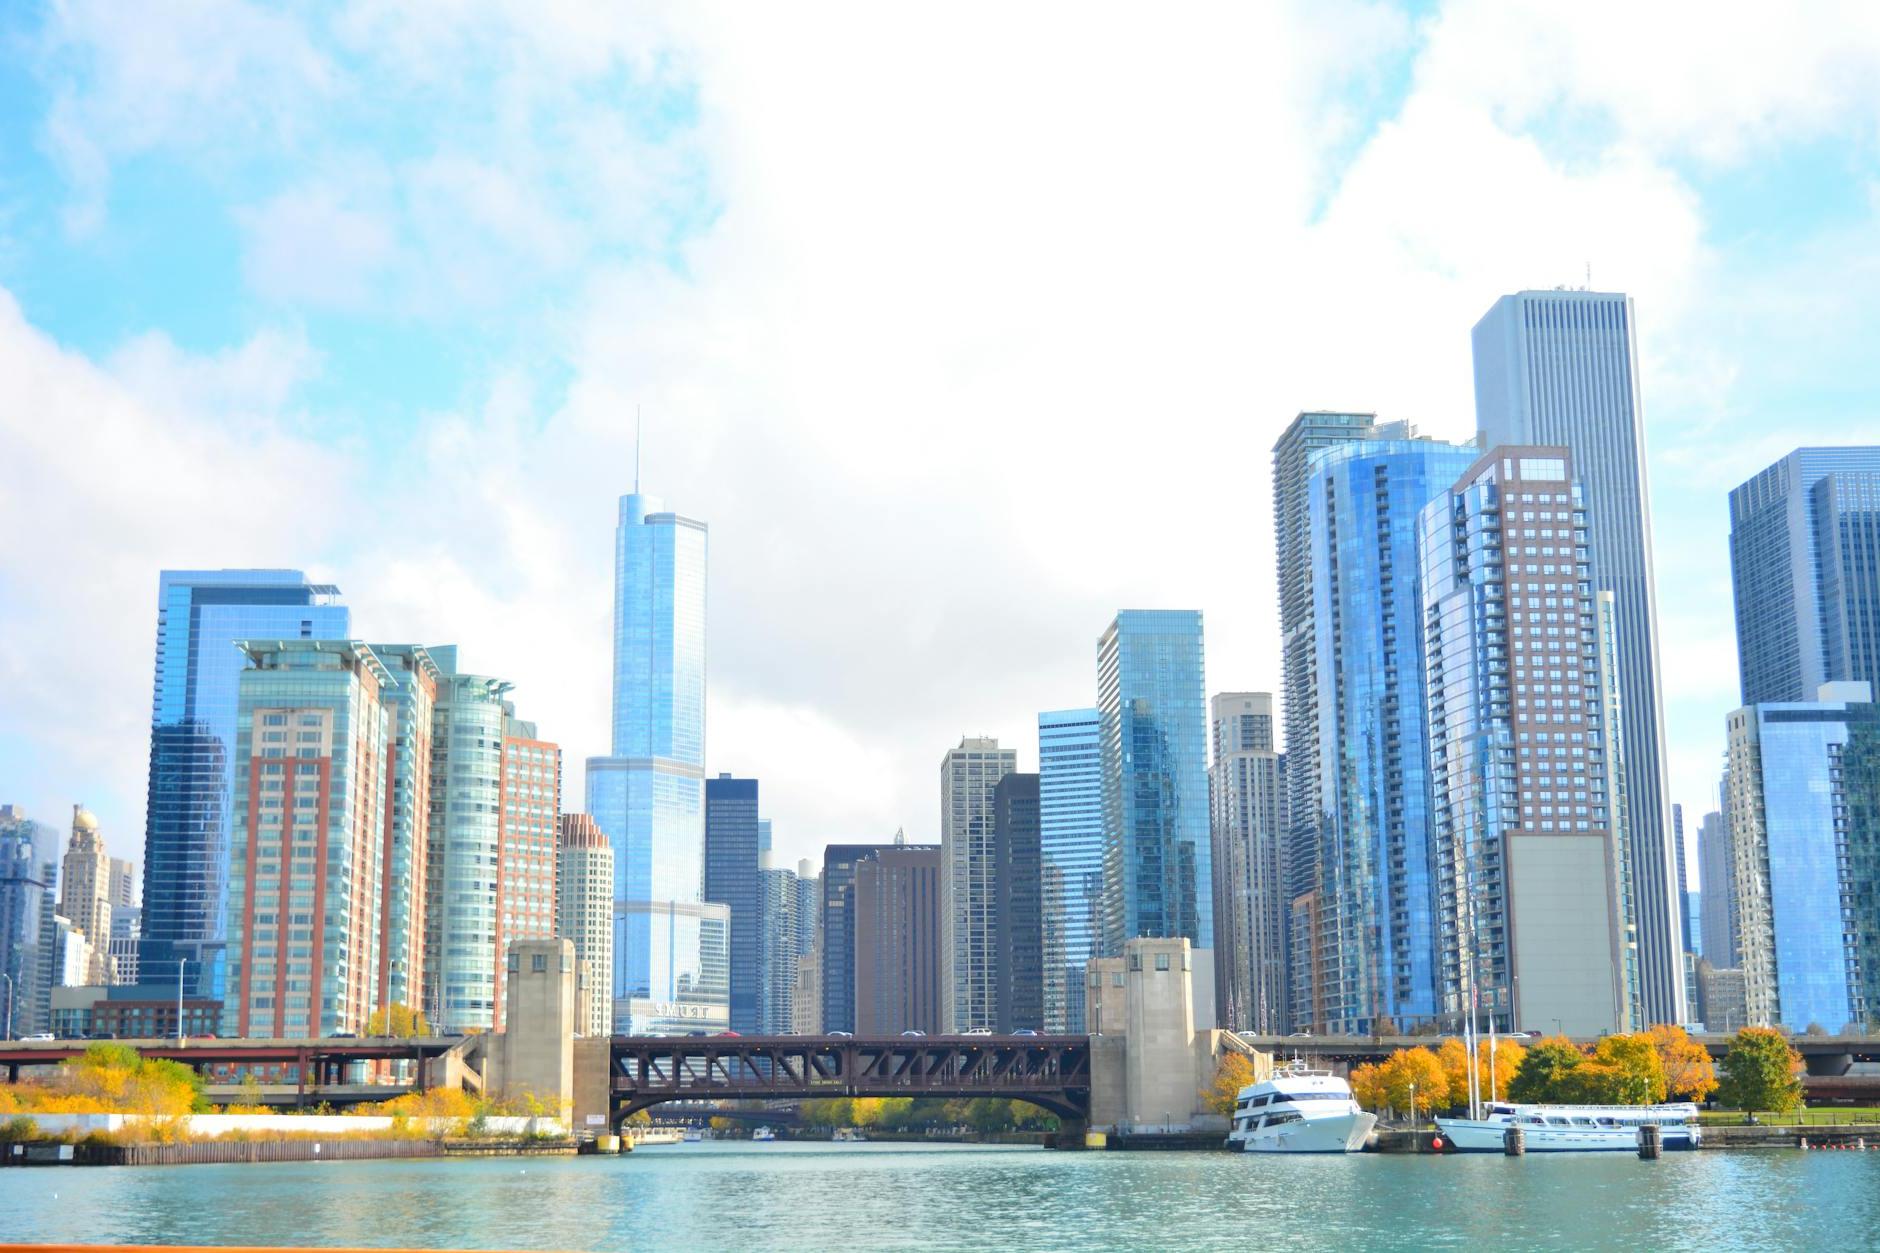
{"x":180,"y":963}
{"x":1413,"y":1107}
{"x":9,"y":979}
{"x":1558,"y":1029}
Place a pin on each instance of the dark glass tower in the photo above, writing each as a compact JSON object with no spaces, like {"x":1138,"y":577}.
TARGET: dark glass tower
{"x":732,"y":878}
{"x":1018,"y":926}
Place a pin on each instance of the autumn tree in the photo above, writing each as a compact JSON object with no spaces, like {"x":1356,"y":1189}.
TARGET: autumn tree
{"x":1494,"y":1068}
{"x":1415,"y":1070}
{"x":1762,"y":1070}
{"x":1367,"y":1086}
{"x":1690,"y":1075}
{"x":1544,"y":1073}
{"x":1623,"y":1070}
{"x":1234,"y":1072}
{"x":398,"y":1019}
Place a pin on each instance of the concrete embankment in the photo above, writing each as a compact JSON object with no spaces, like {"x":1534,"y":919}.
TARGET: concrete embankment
{"x":206,"y":1152}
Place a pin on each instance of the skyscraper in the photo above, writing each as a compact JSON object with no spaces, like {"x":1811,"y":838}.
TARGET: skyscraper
{"x":1250,"y":902}
{"x":1156,"y":854}
{"x":410,"y":699}
{"x":837,"y":910}
{"x":897,"y":922}
{"x":584,"y":906}
{"x":28,"y":868}
{"x":1718,"y":880}
{"x":1370,"y":945}
{"x":201,"y":614}
{"x":1802,"y":800}
{"x":1561,"y":368}
{"x":1018,"y":931}
{"x":306,"y":873}
{"x":1070,"y":853}
{"x":1805,"y":563}
{"x":85,"y":893}
{"x":786,"y":935}
{"x":649,"y":794}
{"x":970,"y":959}
{"x":1527,"y":841}
{"x":732,"y":879}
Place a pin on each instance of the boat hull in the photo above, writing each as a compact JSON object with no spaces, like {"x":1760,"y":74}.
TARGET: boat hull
{"x":1339,"y":1133}
{"x":1465,"y":1136}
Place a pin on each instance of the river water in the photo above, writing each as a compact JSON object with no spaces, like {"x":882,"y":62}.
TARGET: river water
{"x":865,"y":1196}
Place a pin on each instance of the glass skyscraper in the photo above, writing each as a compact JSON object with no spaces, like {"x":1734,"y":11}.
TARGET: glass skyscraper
{"x":1802,"y":802}
{"x":1250,"y":902}
{"x":1157,"y":878}
{"x":201,"y":614}
{"x":648,"y":796}
{"x":733,"y":836}
{"x":1373,"y":944}
{"x":1561,"y":368}
{"x":1805,"y":565}
{"x":1070,"y":823}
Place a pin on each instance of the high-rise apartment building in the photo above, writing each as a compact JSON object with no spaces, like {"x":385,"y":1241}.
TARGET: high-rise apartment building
{"x":306,"y":867}
{"x":1717,"y":878}
{"x":1561,"y":368}
{"x":85,"y":894}
{"x":1801,"y":797}
{"x":969,"y":923}
{"x":529,"y":845}
{"x":122,"y":892}
{"x":897,"y":899}
{"x":648,"y":795}
{"x":1156,"y":854}
{"x":1365,"y":925}
{"x":786,"y":935}
{"x":1805,"y":563}
{"x":1532,"y":924}
{"x":410,"y":700}
{"x":733,"y":848}
{"x":201,"y":616}
{"x":28,"y":869}
{"x":1250,"y":901}
{"x":838,"y":953}
{"x":584,"y":908}
{"x":1070,"y":854}
{"x":1018,"y":905}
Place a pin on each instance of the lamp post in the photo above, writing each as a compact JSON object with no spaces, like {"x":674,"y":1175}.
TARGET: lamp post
{"x":1558,"y":1029}
{"x":1413,"y":1107}
{"x":181,"y":962}
{"x":9,"y":979}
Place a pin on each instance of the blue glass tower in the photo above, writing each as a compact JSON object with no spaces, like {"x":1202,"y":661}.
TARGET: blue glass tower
{"x":648,"y":796}
{"x":1070,"y":822}
{"x":200,"y":616}
{"x":1374,"y":948}
{"x":1157,"y":851}
{"x":734,"y":879}
{"x":1805,"y":564}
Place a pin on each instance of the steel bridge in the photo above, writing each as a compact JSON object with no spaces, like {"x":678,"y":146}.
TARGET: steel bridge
{"x":1051,"y":1072}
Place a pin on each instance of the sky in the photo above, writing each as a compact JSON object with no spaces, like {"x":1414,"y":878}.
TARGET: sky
{"x":962,"y":326}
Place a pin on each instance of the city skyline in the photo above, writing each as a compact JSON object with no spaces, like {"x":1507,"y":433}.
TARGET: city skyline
{"x":304,"y":360}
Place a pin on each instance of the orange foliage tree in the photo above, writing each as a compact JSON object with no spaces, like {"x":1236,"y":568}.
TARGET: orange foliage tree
{"x":1234,"y":1073}
{"x":1690,"y":1075}
{"x":1414,"y":1077}
{"x":1494,"y":1068}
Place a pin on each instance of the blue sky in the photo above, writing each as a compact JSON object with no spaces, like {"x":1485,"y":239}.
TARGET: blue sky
{"x":962,"y":329}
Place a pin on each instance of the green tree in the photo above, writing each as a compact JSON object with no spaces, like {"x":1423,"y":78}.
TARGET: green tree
{"x":1762,"y":1070}
{"x":1544,"y":1073}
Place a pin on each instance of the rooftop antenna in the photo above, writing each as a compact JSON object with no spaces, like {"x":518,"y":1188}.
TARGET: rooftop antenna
{"x":639,"y":428}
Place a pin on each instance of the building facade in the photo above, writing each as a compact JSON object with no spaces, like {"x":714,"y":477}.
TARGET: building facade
{"x":786,"y":934}
{"x":584,"y":908}
{"x":85,"y":893}
{"x":898,"y":948}
{"x":410,"y":701}
{"x":28,"y":870}
{"x":968,"y":906}
{"x":1561,"y":368}
{"x":306,"y":867}
{"x":733,"y":848}
{"x":837,"y":930}
{"x":528,"y":845}
{"x":649,"y":794}
{"x":1717,"y":878}
{"x":201,"y":615}
{"x":1070,"y":853}
{"x":1802,"y":802}
{"x":1018,"y":905}
{"x":1250,"y":900}
{"x":1369,"y":944}
{"x":1154,"y":728}
{"x":1805,"y":568}
{"x":1527,"y":839}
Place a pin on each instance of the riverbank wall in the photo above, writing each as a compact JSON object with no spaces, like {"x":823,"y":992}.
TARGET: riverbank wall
{"x":218,"y":1152}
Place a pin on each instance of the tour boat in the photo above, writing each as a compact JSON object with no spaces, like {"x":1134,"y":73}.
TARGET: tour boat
{"x":763,"y":1133}
{"x":1571,"y":1128}
{"x":693,"y":1135}
{"x":1299,"y":1111}
{"x":847,"y":1135}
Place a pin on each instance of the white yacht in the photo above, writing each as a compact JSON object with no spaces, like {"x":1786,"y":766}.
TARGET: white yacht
{"x":1571,"y":1128}
{"x":1299,"y":1111}
{"x":762,"y":1134}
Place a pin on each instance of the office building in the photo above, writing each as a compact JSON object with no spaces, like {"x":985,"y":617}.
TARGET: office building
{"x":970,"y":963}
{"x":122,"y":892}
{"x":85,"y":894}
{"x":897,"y":899}
{"x":1722,"y":1006}
{"x":1717,"y":938}
{"x":1805,"y":567}
{"x":733,"y":839}
{"x":1250,"y":901}
{"x":1156,"y":854}
{"x":1369,"y":945}
{"x":306,"y":866}
{"x":786,"y":935}
{"x":124,"y":928}
{"x":1070,"y":853}
{"x":1561,"y":368}
{"x":837,"y":931}
{"x":201,"y":615}
{"x":410,"y":699}
{"x":1527,"y":836}
{"x":1018,"y":906}
{"x":495,"y":806}
{"x":584,"y":907}
{"x":1801,"y":798}
{"x":28,"y":868}
{"x":648,"y":795}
